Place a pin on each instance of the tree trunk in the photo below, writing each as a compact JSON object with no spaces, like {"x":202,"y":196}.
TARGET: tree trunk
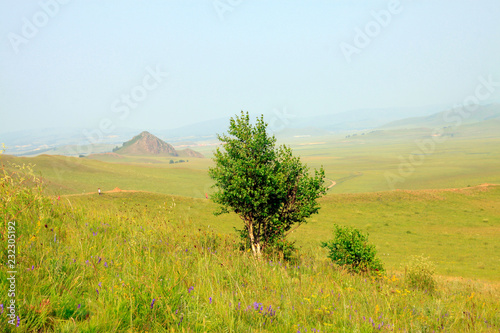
{"x":256,"y":250}
{"x":255,"y":243}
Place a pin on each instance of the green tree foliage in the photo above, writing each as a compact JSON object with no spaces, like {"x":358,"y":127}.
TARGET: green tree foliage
{"x":351,"y":250}
{"x":269,"y":188}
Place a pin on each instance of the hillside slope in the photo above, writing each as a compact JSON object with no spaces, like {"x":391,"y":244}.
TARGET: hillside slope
{"x":147,"y":144}
{"x":451,"y":117}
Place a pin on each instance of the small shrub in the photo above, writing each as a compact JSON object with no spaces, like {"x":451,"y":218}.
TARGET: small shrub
{"x":419,"y":273}
{"x":350,"y":249}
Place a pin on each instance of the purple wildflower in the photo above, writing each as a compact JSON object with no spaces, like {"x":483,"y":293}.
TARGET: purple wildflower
{"x":79,"y":305}
{"x":97,"y":291}
{"x":190,"y":289}
{"x":18,"y":321}
{"x":32,"y":267}
{"x":1,"y":307}
{"x":210,"y":300}
{"x":105,"y":264}
{"x":99,"y":260}
{"x":153,"y":302}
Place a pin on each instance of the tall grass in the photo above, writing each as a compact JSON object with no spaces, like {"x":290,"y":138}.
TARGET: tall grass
{"x":125,"y":262}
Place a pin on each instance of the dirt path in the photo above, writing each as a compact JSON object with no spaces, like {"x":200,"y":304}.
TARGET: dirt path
{"x":115,"y":190}
{"x":332,"y":184}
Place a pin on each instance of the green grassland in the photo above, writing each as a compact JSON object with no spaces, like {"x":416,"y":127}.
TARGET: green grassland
{"x":458,"y":230}
{"x":156,"y":258}
{"x":361,"y":163}
{"x":145,"y":262}
{"x":70,"y":175}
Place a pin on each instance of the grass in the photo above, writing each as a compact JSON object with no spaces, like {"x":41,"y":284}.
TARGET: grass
{"x":458,"y":230}
{"x":158,"y":260}
{"x":70,"y":175}
{"x":358,"y":164}
{"x":139,"y":262}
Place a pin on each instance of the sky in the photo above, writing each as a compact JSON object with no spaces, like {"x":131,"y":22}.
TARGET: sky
{"x":165,"y":64}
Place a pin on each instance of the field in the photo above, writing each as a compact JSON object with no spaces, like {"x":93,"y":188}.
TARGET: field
{"x":155,"y":258}
{"x":378,"y":161}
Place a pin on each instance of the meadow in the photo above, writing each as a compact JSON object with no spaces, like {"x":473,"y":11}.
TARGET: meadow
{"x":156,"y":259}
{"x":140,"y":262}
{"x":358,"y":164}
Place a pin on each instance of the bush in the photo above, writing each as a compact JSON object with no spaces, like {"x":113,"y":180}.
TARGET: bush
{"x":350,"y":249}
{"x":419,"y":274}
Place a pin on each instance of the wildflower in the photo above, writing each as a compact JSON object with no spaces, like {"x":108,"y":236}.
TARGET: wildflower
{"x":210,"y":300}
{"x":99,"y":260}
{"x":32,"y":267}
{"x":97,"y":291}
{"x":18,"y":321}
{"x":79,"y":306}
{"x":100,"y":284}
{"x":153,"y":302}
{"x":190,"y":289}
{"x":105,"y":264}
{"x":1,"y":308}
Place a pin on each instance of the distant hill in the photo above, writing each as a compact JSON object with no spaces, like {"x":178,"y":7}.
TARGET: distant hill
{"x":189,"y":153}
{"x":451,"y":117}
{"x":147,"y":144}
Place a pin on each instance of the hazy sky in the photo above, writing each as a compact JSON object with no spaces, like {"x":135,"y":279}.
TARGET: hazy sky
{"x":105,"y":63}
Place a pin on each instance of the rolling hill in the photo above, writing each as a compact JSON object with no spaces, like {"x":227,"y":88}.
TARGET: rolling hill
{"x":146,"y":144}
{"x":451,"y":117}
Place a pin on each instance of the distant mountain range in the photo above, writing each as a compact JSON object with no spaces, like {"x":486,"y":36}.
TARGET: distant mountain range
{"x":147,"y":144}
{"x":451,"y":117}
{"x":286,"y":122}
{"x":77,"y":141}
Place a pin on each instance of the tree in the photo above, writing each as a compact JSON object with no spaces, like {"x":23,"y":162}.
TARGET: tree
{"x":269,"y":188}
